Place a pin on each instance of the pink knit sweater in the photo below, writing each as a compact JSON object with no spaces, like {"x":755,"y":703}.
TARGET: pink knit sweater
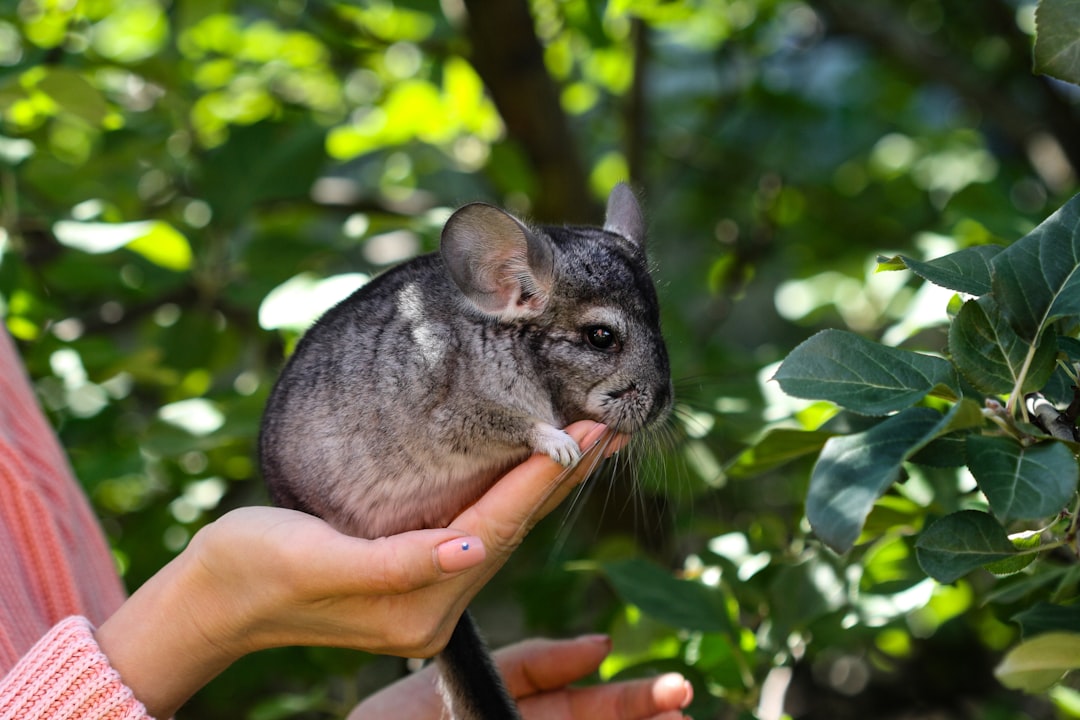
{"x":56,"y":574}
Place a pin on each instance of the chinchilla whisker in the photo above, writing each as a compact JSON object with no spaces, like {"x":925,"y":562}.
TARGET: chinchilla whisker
{"x":591,"y":459}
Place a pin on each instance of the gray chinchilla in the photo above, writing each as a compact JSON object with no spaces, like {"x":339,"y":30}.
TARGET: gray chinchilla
{"x":405,"y":402}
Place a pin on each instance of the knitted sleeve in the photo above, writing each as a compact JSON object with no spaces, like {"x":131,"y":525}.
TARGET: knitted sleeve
{"x":66,"y":676}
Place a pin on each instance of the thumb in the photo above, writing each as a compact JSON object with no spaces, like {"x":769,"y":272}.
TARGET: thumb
{"x":402,"y":563}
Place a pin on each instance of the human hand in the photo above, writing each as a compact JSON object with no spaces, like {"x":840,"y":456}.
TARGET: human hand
{"x":264,"y":577}
{"x":537,"y":674}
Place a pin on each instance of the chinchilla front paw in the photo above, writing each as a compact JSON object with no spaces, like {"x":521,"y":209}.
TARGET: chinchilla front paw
{"x":556,"y":444}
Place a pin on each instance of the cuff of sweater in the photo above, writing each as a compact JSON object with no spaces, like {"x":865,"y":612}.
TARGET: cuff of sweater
{"x":64,"y":676}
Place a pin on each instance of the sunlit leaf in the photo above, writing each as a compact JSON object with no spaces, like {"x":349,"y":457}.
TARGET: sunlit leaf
{"x":958,"y":543}
{"x":133,"y":31}
{"x":1029,"y":540}
{"x":300,"y":300}
{"x":197,"y":416}
{"x":861,"y":375}
{"x":14,"y":150}
{"x":156,"y":240}
{"x":966,"y":271}
{"x":73,"y":92}
{"x":776,"y":448}
{"x":163,"y":245}
{"x":1038,"y":664}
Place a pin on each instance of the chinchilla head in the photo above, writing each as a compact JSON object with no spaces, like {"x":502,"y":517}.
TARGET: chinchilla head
{"x":581,"y":301}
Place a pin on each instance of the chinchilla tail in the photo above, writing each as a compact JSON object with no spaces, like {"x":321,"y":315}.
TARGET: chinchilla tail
{"x":471,"y":686}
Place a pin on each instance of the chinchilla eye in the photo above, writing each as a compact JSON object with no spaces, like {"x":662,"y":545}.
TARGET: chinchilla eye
{"x":601,"y":337}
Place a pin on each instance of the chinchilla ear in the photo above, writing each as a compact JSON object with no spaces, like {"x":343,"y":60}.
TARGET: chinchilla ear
{"x":624,"y":216}
{"x":501,"y":266}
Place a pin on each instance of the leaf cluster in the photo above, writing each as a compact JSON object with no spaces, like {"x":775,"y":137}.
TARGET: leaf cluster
{"x":1011,"y":348}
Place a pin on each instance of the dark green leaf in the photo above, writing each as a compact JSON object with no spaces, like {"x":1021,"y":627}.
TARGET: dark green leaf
{"x":802,"y":593}
{"x":1057,"y":39}
{"x":1044,"y":617}
{"x":947,"y":449}
{"x":966,"y":271}
{"x":991,"y":355}
{"x":680,"y":603}
{"x":1069,"y":346}
{"x":1037,"y":279}
{"x":854,"y":470}
{"x":1021,"y":587}
{"x":1022,"y":483}
{"x":958,"y":543}
{"x":861,"y":375}
{"x":943,"y":452}
{"x":267,"y":161}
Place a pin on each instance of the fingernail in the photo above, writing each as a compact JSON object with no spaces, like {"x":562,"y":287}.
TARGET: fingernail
{"x":689,"y":690}
{"x":594,"y":436}
{"x":598,"y":639}
{"x":460,"y":554}
{"x":676,"y":681}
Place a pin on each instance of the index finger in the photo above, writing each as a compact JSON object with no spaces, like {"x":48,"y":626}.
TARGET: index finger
{"x":528,"y":492}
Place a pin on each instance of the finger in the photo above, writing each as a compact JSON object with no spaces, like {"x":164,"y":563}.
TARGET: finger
{"x":537,"y":665}
{"x":396,"y":564}
{"x":599,"y":443}
{"x":654,"y":698}
{"x":507,"y":511}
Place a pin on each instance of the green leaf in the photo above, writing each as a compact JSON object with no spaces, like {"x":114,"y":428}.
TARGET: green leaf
{"x":1028,"y":540}
{"x":164,"y":246}
{"x":1044,"y":617}
{"x":966,"y":271}
{"x":156,"y":240}
{"x":1069,"y":346}
{"x":854,"y":470}
{"x":1057,"y":39}
{"x":1038,"y":664}
{"x":1022,"y":483}
{"x":74,"y":93}
{"x":947,"y":448}
{"x":861,"y":375}
{"x":990,"y":354}
{"x":958,"y":543}
{"x":777,"y":447}
{"x":680,"y":603}
{"x":259,"y":163}
{"x":1037,"y":279}
{"x":800,"y":594}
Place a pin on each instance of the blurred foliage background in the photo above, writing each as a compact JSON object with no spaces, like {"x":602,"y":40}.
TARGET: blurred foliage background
{"x":183,"y":185}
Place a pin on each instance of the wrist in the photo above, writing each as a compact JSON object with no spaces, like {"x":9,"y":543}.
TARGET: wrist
{"x":173,"y":635}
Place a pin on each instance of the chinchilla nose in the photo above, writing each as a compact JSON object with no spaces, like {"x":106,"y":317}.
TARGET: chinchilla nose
{"x":663,"y":394}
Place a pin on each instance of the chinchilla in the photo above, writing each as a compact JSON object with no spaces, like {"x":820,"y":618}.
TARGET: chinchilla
{"x":405,"y":402}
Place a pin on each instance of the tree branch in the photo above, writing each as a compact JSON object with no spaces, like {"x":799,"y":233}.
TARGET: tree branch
{"x":509,"y":58}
